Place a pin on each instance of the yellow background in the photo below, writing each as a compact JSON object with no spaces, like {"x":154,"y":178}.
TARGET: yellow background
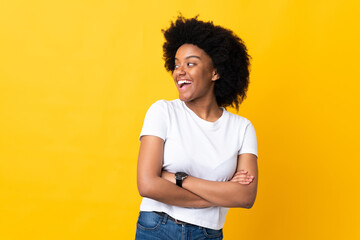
{"x":76,"y":79}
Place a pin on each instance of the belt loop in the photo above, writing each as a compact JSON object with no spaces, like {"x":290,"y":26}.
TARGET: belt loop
{"x":165,"y":218}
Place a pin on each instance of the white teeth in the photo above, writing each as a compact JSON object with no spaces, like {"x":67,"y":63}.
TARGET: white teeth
{"x":183,"y":81}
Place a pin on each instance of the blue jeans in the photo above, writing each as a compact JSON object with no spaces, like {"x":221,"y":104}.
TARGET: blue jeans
{"x":152,"y":226}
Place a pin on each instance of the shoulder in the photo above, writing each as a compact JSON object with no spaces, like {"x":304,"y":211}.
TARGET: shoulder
{"x":164,"y":106}
{"x":165,"y":103}
{"x":239,"y":120}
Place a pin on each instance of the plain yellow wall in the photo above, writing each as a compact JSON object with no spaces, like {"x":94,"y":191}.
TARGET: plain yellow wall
{"x":76,"y":79}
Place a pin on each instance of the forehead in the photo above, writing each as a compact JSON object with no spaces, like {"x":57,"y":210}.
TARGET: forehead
{"x":187,"y":50}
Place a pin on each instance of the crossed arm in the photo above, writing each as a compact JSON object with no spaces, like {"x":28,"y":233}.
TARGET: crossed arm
{"x":197,"y":193}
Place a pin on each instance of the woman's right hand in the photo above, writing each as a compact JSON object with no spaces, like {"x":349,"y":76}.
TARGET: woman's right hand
{"x":242,"y":177}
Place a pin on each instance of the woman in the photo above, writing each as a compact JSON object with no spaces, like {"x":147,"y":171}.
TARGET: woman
{"x":196,"y":159}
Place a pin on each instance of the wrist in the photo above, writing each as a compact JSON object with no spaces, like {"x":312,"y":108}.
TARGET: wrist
{"x":168,"y":176}
{"x":180,"y":177}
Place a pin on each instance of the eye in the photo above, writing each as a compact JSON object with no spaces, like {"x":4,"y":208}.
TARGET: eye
{"x":176,"y":66}
{"x":190,"y":64}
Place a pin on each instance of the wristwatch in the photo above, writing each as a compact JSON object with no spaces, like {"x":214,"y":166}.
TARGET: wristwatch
{"x":179,"y":177}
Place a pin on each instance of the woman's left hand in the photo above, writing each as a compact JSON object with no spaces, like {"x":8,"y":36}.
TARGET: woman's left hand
{"x":242,"y":177}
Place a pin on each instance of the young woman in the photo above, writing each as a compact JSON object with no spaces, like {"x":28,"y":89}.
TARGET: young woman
{"x":196,"y":159}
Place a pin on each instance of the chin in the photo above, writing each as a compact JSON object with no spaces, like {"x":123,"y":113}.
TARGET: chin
{"x":184,"y":99}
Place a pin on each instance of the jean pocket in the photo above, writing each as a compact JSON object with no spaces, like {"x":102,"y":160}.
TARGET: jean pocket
{"x":149,"y":220}
{"x":211,"y":233}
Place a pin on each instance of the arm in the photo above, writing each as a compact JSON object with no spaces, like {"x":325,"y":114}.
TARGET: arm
{"x":227,"y":194}
{"x":149,"y":181}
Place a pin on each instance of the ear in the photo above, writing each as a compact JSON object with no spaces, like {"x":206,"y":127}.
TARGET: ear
{"x":215,"y":75}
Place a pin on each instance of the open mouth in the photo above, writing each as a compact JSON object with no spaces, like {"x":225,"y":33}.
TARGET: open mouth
{"x":183,"y":83}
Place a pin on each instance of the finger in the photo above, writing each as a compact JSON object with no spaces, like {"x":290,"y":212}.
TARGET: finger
{"x":237,"y":178}
{"x":245,"y":180}
{"x":241,"y":178}
{"x":250,"y":179}
{"x":244,"y":183}
{"x":246,"y":175}
{"x":240,"y":173}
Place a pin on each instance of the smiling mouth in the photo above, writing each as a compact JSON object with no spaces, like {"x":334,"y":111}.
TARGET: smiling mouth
{"x":182,"y":83}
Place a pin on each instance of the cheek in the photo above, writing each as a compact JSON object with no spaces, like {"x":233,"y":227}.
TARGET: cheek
{"x":206,"y":76}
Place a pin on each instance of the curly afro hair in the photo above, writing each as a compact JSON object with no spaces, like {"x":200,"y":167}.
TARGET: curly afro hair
{"x":227,"y":51}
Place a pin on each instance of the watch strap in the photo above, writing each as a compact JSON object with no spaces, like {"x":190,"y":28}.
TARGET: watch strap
{"x":179,"y":182}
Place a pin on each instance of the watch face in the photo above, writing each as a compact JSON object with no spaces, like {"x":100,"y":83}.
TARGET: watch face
{"x":180,"y":175}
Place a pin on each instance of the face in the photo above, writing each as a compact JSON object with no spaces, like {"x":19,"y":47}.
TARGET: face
{"x":194,"y":74}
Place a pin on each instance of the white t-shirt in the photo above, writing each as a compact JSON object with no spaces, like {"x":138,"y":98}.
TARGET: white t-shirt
{"x":202,"y":149}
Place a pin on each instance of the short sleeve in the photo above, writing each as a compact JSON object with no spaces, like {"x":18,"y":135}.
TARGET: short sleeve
{"x":155,"y":123}
{"x":249,"y":141}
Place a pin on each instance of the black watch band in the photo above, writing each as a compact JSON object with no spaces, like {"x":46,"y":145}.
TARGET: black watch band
{"x":179,"y":182}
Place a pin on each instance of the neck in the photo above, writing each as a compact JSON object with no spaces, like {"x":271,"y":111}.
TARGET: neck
{"x":207,"y":110}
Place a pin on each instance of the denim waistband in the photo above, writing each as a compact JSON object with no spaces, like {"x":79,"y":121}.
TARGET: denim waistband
{"x":162,"y":214}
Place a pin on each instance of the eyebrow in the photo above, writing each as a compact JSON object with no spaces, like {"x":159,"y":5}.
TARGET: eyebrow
{"x":192,"y":56}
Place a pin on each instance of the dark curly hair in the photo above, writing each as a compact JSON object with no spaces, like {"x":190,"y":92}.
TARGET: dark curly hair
{"x":227,"y":51}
